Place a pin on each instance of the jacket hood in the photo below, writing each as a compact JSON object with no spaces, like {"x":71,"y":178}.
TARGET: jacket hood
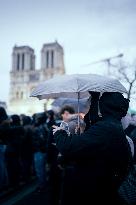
{"x":114,"y":105}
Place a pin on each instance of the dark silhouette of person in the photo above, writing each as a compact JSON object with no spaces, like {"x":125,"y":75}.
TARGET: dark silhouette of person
{"x":97,"y":160}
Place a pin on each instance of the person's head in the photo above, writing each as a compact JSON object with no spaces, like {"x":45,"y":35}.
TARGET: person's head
{"x":66,"y":112}
{"x":3,"y":115}
{"x":26,"y":120}
{"x":42,"y":118}
{"x":39,"y":118}
{"x":50,"y":115}
{"x":113,"y":104}
{"x":15,"y":120}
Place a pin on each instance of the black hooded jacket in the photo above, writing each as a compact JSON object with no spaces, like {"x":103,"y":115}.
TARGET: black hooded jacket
{"x":101,"y":154}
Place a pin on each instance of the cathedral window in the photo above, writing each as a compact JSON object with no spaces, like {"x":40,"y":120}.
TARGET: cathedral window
{"x":31,"y":62}
{"x":52,"y":59}
{"x":47,"y":59}
{"x":22,"y":95}
{"x":23,"y":60}
{"x":18,"y":61}
{"x":17,"y":95}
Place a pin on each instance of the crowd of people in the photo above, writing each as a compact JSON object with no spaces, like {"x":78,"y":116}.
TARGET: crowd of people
{"x":78,"y":159}
{"x":27,"y":148}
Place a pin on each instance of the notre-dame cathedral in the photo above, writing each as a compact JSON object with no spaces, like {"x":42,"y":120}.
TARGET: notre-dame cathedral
{"x":24,"y":77}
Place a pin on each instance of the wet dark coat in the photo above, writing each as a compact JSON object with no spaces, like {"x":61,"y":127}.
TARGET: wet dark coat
{"x":40,"y":136}
{"x":96,"y":162}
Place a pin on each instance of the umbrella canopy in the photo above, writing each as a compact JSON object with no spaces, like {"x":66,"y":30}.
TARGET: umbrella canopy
{"x":76,"y":86}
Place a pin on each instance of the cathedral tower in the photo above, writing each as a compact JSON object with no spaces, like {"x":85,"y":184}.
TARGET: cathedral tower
{"x":23,"y":58}
{"x":24,"y":77}
{"x":23,"y":65}
{"x":52,"y":60}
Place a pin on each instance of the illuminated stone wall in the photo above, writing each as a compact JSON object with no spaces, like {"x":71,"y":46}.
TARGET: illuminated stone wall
{"x":24,"y":77}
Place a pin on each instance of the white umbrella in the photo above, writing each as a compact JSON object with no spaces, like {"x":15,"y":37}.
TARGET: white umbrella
{"x":76,"y":86}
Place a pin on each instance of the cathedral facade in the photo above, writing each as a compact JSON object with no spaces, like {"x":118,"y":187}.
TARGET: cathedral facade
{"x":24,"y":77}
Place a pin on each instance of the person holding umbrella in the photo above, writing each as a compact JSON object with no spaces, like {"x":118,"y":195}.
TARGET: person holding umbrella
{"x":101,"y":153}
{"x":100,"y":156}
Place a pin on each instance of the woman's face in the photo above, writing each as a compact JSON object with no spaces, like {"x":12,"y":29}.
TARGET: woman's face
{"x":65,"y":116}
